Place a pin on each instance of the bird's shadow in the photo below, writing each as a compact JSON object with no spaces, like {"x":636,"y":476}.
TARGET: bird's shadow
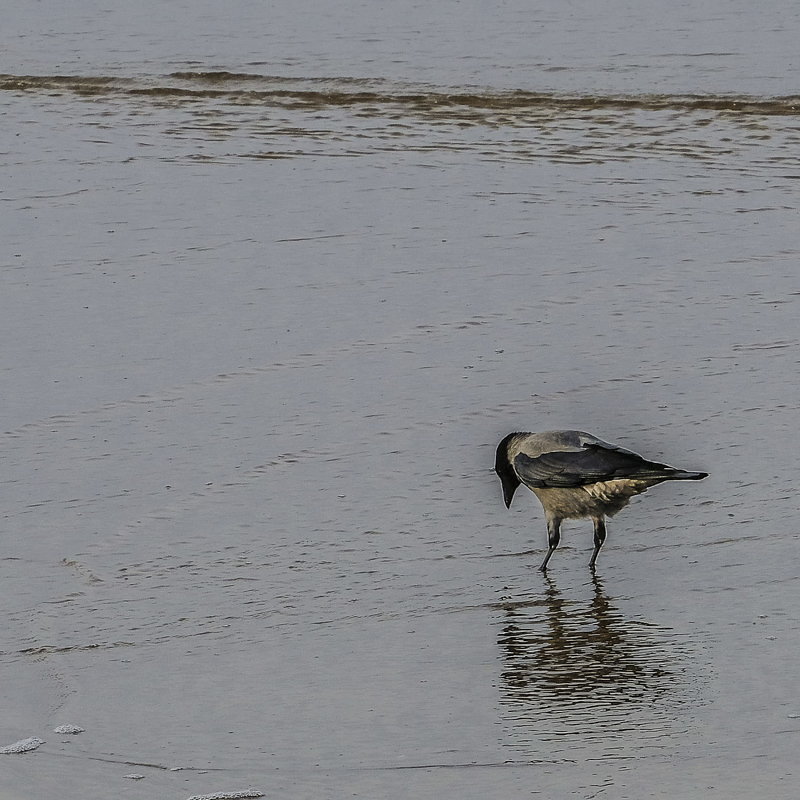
{"x":571,"y":665}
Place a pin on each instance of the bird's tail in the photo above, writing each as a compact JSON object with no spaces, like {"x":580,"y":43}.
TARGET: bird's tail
{"x":683,"y":475}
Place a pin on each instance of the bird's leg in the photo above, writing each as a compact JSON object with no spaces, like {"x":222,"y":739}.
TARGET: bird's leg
{"x":599,"y":538}
{"x":553,"y":538}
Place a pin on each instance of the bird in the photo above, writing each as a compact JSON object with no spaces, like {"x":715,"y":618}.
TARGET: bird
{"x":575,"y":475}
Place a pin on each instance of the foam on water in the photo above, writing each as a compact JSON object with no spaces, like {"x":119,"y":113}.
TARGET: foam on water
{"x":22,"y":746}
{"x":69,"y":728}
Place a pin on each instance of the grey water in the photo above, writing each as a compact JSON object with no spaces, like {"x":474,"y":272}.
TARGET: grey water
{"x":276,"y":279}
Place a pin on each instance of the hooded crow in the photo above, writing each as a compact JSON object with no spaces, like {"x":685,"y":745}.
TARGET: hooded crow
{"x":576,"y":475}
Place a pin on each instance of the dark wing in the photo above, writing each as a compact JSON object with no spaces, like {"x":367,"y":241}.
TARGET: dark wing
{"x":592,"y":464}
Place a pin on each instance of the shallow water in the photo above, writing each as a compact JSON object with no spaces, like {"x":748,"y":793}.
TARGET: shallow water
{"x":270,"y":302}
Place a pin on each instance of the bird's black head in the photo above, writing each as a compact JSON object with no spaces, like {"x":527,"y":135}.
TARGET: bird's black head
{"x":505,"y":470}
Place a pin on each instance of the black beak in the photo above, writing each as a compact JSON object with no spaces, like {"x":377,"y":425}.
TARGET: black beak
{"x":510,"y":483}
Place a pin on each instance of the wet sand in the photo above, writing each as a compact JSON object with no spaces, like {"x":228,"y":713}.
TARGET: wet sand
{"x":257,"y":358}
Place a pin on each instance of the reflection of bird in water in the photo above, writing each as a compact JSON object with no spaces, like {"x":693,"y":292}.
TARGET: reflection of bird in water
{"x":577,"y":475}
{"x":582,"y":665}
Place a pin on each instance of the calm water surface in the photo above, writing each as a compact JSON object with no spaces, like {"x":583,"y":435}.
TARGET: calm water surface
{"x":276,"y":280}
